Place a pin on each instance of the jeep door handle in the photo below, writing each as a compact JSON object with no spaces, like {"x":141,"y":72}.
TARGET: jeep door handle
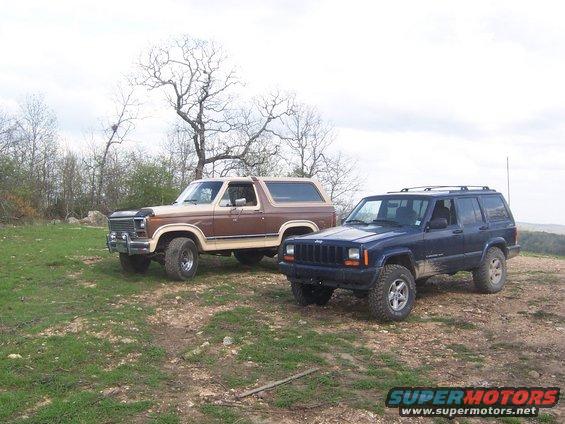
{"x":458,"y":231}
{"x":484,"y":227}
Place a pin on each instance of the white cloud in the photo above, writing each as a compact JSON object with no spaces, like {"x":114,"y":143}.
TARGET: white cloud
{"x":421,"y":91}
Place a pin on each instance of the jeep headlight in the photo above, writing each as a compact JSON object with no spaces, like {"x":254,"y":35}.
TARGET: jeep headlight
{"x":353,"y":253}
{"x":113,"y":236}
{"x":290,"y":249}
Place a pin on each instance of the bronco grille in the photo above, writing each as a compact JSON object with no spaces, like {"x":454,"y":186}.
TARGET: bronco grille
{"x":319,"y":254}
{"x":121,"y":225}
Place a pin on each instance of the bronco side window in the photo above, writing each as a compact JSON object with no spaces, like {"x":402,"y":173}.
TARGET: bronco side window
{"x":445,"y":209}
{"x":239,"y":191}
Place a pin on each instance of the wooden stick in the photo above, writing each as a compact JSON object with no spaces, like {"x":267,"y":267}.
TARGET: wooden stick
{"x":274,"y":384}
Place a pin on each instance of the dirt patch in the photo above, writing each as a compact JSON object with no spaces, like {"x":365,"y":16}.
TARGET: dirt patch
{"x":459,"y":336}
{"x":88,"y":260}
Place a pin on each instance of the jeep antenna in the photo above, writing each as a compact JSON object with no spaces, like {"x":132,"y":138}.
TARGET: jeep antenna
{"x":508,"y":178}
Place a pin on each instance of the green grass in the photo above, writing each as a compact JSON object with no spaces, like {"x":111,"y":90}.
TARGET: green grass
{"x":76,"y":321}
{"x":46,"y":286}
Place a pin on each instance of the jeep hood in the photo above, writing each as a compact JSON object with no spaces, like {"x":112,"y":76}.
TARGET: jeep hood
{"x":357,"y":234}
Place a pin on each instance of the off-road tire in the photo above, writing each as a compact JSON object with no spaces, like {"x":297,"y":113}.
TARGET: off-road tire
{"x":307,"y":294}
{"x":134,"y":264}
{"x":248,"y":257}
{"x":379,"y":304}
{"x":181,"y":259}
{"x":482,"y":275}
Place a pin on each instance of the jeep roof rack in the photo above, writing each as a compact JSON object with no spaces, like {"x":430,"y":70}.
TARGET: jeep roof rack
{"x":458,"y":188}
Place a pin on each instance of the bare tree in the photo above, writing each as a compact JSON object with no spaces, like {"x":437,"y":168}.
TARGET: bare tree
{"x":307,"y":138}
{"x":200,"y":86}
{"x":341,"y":181}
{"x":7,"y":133}
{"x":115,"y":131}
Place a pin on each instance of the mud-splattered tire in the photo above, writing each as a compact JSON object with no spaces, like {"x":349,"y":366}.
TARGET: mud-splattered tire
{"x":181,"y":259}
{"x":490,"y":276}
{"x":134,"y":264}
{"x":248,"y":257}
{"x":307,"y":294}
{"x":392,"y":296}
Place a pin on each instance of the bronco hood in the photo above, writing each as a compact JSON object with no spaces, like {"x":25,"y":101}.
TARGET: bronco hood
{"x":357,"y":234}
{"x":164,"y":210}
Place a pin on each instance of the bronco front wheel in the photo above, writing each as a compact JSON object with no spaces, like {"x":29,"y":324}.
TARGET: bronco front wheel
{"x":181,"y":259}
{"x":392,"y":296}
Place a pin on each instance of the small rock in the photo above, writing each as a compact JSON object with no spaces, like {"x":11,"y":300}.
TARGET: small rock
{"x":110,"y":391}
{"x":228,"y":341}
{"x":72,"y":220}
{"x":534,"y":374}
{"x":206,"y":343}
{"x":301,"y":322}
{"x":127,"y":340}
{"x":14,"y":356}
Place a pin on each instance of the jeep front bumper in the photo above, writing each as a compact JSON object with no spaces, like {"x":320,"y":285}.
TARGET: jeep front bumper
{"x":345,"y":278}
{"x":124,"y":244}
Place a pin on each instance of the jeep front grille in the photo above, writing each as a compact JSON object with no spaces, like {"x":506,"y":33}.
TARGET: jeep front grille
{"x":121,"y":225}
{"x":318,"y":254}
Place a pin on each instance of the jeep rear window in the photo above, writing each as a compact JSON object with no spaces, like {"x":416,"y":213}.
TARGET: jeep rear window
{"x":285,"y":192}
{"x":495,"y":208}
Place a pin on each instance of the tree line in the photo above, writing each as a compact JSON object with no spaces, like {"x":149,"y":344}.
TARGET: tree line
{"x":541,"y":242}
{"x":219,"y":130}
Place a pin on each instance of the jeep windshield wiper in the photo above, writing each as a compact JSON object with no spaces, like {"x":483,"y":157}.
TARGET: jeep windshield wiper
{"x":386,"y":221}
{"x":356,"y":221}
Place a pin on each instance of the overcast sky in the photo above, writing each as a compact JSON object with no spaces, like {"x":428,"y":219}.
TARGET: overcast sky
{"x":420,"y":92}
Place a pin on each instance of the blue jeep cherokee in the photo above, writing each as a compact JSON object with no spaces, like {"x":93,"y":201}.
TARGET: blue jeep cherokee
{"x":392,"y":243}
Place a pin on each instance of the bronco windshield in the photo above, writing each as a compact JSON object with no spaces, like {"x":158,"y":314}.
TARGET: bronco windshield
{"x":199,"y":193}
{"x":392,"y":211}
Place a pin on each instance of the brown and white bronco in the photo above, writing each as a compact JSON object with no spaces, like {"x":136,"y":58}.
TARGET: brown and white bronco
{"x":249,"y":216}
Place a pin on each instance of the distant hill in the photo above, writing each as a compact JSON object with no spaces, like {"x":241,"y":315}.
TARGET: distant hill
{"x":545,"y":228}
{"x":542,"y":242}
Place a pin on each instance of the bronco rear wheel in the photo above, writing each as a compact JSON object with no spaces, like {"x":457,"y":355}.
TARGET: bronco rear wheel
{"x":181,"y":259}
{"x":248,"y":257}
{"x":308,"y":294}
{"x":134,"y":264}
{"x":392,"y":296}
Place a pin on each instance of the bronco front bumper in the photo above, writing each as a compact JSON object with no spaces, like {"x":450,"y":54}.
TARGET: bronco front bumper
{"x":124,"y":244}
{"x":346,"y":278}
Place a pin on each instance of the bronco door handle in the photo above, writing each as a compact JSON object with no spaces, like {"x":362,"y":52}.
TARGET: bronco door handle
{"x":458,"y":231}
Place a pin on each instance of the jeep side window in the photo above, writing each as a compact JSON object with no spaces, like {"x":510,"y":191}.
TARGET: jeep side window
{"x":469,"y":211}
{"x":494,"y":208}
{"x":239,"y":191}
{"x":445,"y":209}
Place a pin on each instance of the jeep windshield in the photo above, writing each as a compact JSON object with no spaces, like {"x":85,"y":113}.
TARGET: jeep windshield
{"x":390,"y":211}
{"x":199,"y":193}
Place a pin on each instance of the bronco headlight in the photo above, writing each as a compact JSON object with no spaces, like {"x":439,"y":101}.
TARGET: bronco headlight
{"x":353,"y":253}
{"x":290,"y":249}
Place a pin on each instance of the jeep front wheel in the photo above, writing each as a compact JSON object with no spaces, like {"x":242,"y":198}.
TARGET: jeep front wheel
{"x":392,"y":296}
{"x":490,"y":276}
{"x":248,"y":257}
{"x":181,"y":259}
{"x":307,"y":294}
{"x":134,"y":264}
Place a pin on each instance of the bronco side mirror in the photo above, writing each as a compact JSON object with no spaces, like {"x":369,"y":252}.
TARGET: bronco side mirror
{"x":240,"y":202}
{"x":437,"y":224}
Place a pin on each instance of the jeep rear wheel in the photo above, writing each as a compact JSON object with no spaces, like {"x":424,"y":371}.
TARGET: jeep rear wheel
{"x":134,"y":264}
{"x":248,"y":257}
{"x":490,"y":276}
{"x":181,"y":259}
{"x":392,"y":296}
{"x":307,"y":294}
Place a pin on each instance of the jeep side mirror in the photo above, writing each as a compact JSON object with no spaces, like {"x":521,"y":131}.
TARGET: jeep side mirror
{"x":437,"y":224}
{"x":240,"y":202}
